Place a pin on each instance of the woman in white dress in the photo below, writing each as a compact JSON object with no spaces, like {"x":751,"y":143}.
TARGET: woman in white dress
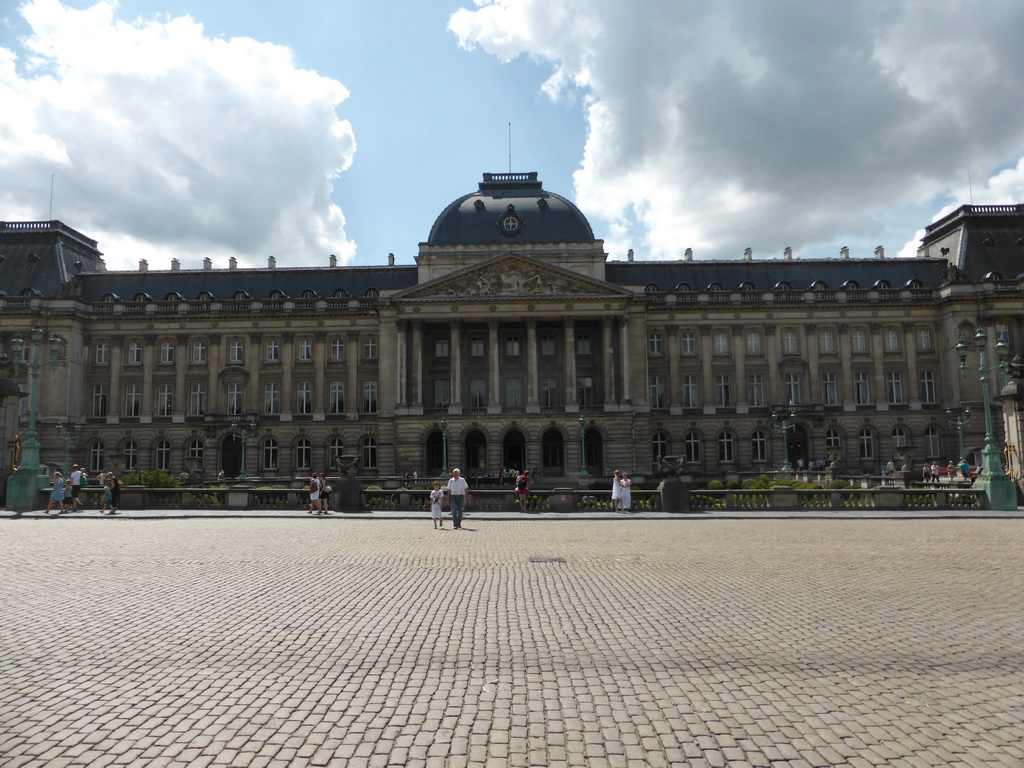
{"x":617,"y":491}
{"x":625,"y":494}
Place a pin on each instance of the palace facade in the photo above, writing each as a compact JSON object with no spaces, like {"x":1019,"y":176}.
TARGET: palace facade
{"x":514,"y":341}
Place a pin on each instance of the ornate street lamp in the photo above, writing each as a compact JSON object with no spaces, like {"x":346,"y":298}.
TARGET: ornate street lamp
{"x":784,"y":424}
{"x":960,"y":422}
{"x":243,"y":434}
{"x":24,"y":483}
{"x":69,"y":434}
{"x":444,"y":447}
{"x":1000,"y":492}
{"x":583,"y":447}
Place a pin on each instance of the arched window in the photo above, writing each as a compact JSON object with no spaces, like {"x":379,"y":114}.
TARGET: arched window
{"x":276,"y":295}
{"x":851,"y":285}
{"x":913,"y":284}
{"x":162,"y":455}
{"x":782,"y":285}
{"x":194,"y":453}
{"x":660,"y":445}
{"x":308,"y":294}
{"x":652,"y":288}
{"x":715,"y":287}
{"x":269,"y":458}
{"x":726,"y":447}
{"x":932,"y":443}
{"x":683,"y":288}
{"x":833,"y":439}
{"x":883,"y":285}
{"x":173,"y":296}
{"x":96,"y":457}
{"x":899,"y":437}
{"x":204,"y":296}
{"x":866,"y":444}
{"x":341,"y":293}
{"x":372,"y":293}
{"x":748,"y":286}
{"x":130,"y":449}
{"x":142,"y":297}
{"x":108,"y":298}
{"x":759,"y":445}
{"x":691,"y":446}
{"x":240,"y":296}
{"x":303,"y":454}
{"x":988,"y":277}
{"x":819,"y":285}
{"x":335,"y":450}
{"x":368,"y":451}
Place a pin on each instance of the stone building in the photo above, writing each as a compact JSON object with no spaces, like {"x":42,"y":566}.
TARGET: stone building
{"x":514,"y":341}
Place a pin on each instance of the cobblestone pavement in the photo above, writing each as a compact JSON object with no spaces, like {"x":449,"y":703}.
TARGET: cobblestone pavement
{"x":516,"y":643}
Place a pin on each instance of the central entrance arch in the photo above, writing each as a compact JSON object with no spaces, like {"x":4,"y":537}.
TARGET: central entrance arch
{"x":231,"y":456}
{"x":513,"y":450}
{"x":797,"y":447}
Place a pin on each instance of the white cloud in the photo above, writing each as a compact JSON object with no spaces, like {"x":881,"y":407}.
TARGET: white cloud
{"x":165,"y":142}
{"x":721,"y":124}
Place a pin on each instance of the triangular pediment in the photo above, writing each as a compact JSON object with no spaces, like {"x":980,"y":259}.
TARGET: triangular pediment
{"x":512,"y":276}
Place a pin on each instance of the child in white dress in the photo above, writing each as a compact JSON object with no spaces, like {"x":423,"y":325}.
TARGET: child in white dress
{"x":436,"y":497}
{"x":625,"y":494}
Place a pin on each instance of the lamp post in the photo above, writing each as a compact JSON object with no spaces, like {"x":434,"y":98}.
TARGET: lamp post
{"x":240,"y":433}
{"x":583,"y":447}
{"x":23,"y":485}
{"x":1000,"y":492}
{"x":783,"y":425}
{"x":960,"y":422}
{"x":444,"y":447}
{"x":69,"y":434}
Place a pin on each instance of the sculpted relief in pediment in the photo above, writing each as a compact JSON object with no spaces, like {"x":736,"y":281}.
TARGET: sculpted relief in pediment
{"x":511,"y":279}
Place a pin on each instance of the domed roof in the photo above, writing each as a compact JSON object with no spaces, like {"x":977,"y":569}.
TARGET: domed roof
{"x":510,"y":208}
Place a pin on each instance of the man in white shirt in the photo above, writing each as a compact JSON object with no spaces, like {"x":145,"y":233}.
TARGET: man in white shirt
{"x":76,"y":486}
{"x":458,"y":493}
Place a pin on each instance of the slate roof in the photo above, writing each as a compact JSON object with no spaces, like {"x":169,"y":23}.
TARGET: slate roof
{"x":993,"y":240}
{"x":41,"y":256}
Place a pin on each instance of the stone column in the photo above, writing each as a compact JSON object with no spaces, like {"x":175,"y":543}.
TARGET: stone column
{"x":845,"y":375}
{"x":319,"y":368}
{"x":215,"y":361}
{"x":254,"y":359}
{"x":739,"y":349}
{"x":878,"y":360}
{"x":182,"y":396}
{"x":494,"y":390}
{"x":417,"y":365}
{"x":571,"y":404}
{"x":626,"y":351}
{"x":811,"y":342}
{"x":609,"y":362}
{"x":707,"y":375}
{"x":402,"y":396}
{"x":455,"y":357}
{"x":116,"y":395}
{"x":353,"y":395}
{"x":148,"y":364}
{"x":772,"y":379}
{"x":532,"y":384}
{"x":911,"y":390}
{"x":287,"y":373}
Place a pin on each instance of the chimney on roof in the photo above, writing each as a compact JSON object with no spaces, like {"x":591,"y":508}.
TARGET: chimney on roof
{"x":787,"y":253}
{"x":688,"y":254}
{"x":232,"y":263}
{"x":391,"y":259}
{"x":143,"y":265}
{"x":207,"y":264}
{"x":748,"y":254}
{"x":629,"y":255}
{"x":175,"y":265}
{"x":271,"y":262}
{"x":844,"y":252}
{"x":334,"y":260}
{"x":879,"y":252}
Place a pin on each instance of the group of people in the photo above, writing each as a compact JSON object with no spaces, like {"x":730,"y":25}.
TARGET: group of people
{"x":454,"y":495}
{"x":319,"y":494}
{"x":622,"y":492}
{"x":79,"y":477}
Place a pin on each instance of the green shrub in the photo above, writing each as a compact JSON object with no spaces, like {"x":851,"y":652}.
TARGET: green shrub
{"x":716,"y":485}
{"x":153,"y":478}
{"x":373,"y":488}
{"x":836,"y":485}
{"x":733,"y":485}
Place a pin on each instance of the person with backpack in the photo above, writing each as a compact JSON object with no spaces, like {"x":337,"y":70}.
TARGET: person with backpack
{"x":523,"y":489}
{"x":314,"y":494}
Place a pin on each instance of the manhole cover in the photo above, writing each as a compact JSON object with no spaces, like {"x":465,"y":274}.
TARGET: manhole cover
{"x":547,"y":559}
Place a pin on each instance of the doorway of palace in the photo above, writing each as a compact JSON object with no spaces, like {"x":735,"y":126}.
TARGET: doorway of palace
{"x":474,"y":453}
{"x":434,"y":458}
{"x":594,"y":445}
{"x":231,"y":456}
{"x":797,"y":448}
{"x":513,"y":451}
{"x":552,"y":451}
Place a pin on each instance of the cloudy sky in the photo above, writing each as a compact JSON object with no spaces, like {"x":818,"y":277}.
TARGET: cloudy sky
{"x":220,"y":128}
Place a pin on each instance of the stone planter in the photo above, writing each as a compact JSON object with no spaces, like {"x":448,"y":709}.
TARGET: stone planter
{"x":782,"y":497}
{"x":563,"y":500}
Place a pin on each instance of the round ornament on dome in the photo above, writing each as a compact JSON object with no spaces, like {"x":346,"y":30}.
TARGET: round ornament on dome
{"x":510,"y":222}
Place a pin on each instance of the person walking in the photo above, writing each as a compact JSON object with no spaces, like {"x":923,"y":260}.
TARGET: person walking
{"x":115,"y":493}
{"x":458,"y":495}
{"x":617,"y":491}
{"x":56,"y":494}
{"x":523,"y":489}
{"x":436,"y":497}
{"x":76,"y":487}
{"x":325,"y":495}
{"x":108,"y":494}
{"x":314,"y":494}
{"x":626,"y":493}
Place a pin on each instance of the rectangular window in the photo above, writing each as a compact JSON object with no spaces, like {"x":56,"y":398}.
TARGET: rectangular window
{"x":99,"y":401}
{"x":370,"y":349}
{"x":790,"y":342}
{"x":102,"y":353}
{"x":723,"y":390}
{"x":858,"y":341}
{"x":861,"y":388}
{"x":166,"y":351}
{"x":585,"y":391}
{"x":441,"y":344}
{"x":658,"y":392}
{"x":891,"y":339}
{"x":866,"y":444}
{"x":688,"y":342}
{"x":442,"y":392}
{"x":755,"y":390}
{"x":236,"y":351}
{"x":548,"y":345}
{"x":827,"y":342}
{"x":273,"y":351}
{"x":271,"y":397}
{"x":234,"y":399}
{"x":830,"y":388}
{"x":894,"y":387}
{"x":305,"y":350}
{"x":720,"y":342}
{"x":512,"y":345}
{"x":477,"y":346}
{"x":582,"y":344}
{"x":134,"y":352}
{"x":1002,"y":334}
{"x":759,"y":446}
{"x":304,"y":397}
{"x":792,"y":385}
{"x":478,"y":393}
{"x":927,"y":388}
{"x":370,"y":396}
{"x":549,"y":392}
{"x":691,"y":397}
{"x":924,"y":340}
{"x":654,"y":343}
{"x":337,"y":349}
{"x":513,"y":393}
{"x":164,"y":399}
{"x":199,"y":351}
{"x":197,"y":400}
{"x":753,"y":342}
{"x":132,"y":399}
{"x":336,"y":397}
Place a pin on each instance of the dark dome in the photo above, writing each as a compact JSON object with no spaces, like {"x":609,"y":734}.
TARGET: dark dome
{"x":510,"y":208}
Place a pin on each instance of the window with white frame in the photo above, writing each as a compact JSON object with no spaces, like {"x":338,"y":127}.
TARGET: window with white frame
{"x":512,"y":345}
{"x":691,"y":446}
{"x":337,"y":348}
{"x":273,"y":351}
{"x":585,"y":390}
{"x":441,"y":347}
{"x":899,"y":438}
{"x":271,"y":397}
{"x":549,"y":392}
{"x":830,"y":388}
{"x":582,"y":343}
{"x":833,"y":439}
{"x":195,"y":450}
{"x":236,"y":351}
{"x":791,"y":382}
{"x":657,"y":387}
{"x":654,"y":343}
{"x":926,"y":388}
{"x":134,"y":352}
{"x":100,"y":401}
{"x":754,"y":346}
{"x":167,"y":352}
{"x":478,"y":393}
{"x":866,"y":444}
{"x":130,"y":450}
{"x":164,"y":399}
{"x":234,"y":393}
{"x":478,"y":346}
{"x":370,"y":396}
{"x":305,"y":350}
{"x":368,"y":450}
{"x":304,"y":397}
{"x":726,"y":447}
{"x":790,"y":341}
{"x":96,"y":457}
{"x":102,"y":353}
{"x":720,"y":342}
{"x":197,"y":399}
{"x":691,"y":397}
{"x":162,"y":455}
{"x":894,"y":387}
{"x":660,"y":444}
{"x":199,"y":351}
{"x":858,"y":341}
{"x":336,"y":397}
{"x":335,"y":450}
{"x":442,"y":392}
{"x":861,"y":388}
{"x":932,"y":443}
{"x":924,"y":340}
{"x":723,"y":390}
{"x":759,"y":445}
{"x":132,"y":399}
{"x":891,"y":339}
{"x":548,"y":345}
{"x":827,"y":341}
{"x":370,"y":348}
{"x":269,"y":459}
{"x":303,"y":454}
{"x":688,"y":342}
{"x":755,"y":390}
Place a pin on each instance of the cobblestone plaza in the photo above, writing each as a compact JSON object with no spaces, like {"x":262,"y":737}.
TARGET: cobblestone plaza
{"x":517,"y":643}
